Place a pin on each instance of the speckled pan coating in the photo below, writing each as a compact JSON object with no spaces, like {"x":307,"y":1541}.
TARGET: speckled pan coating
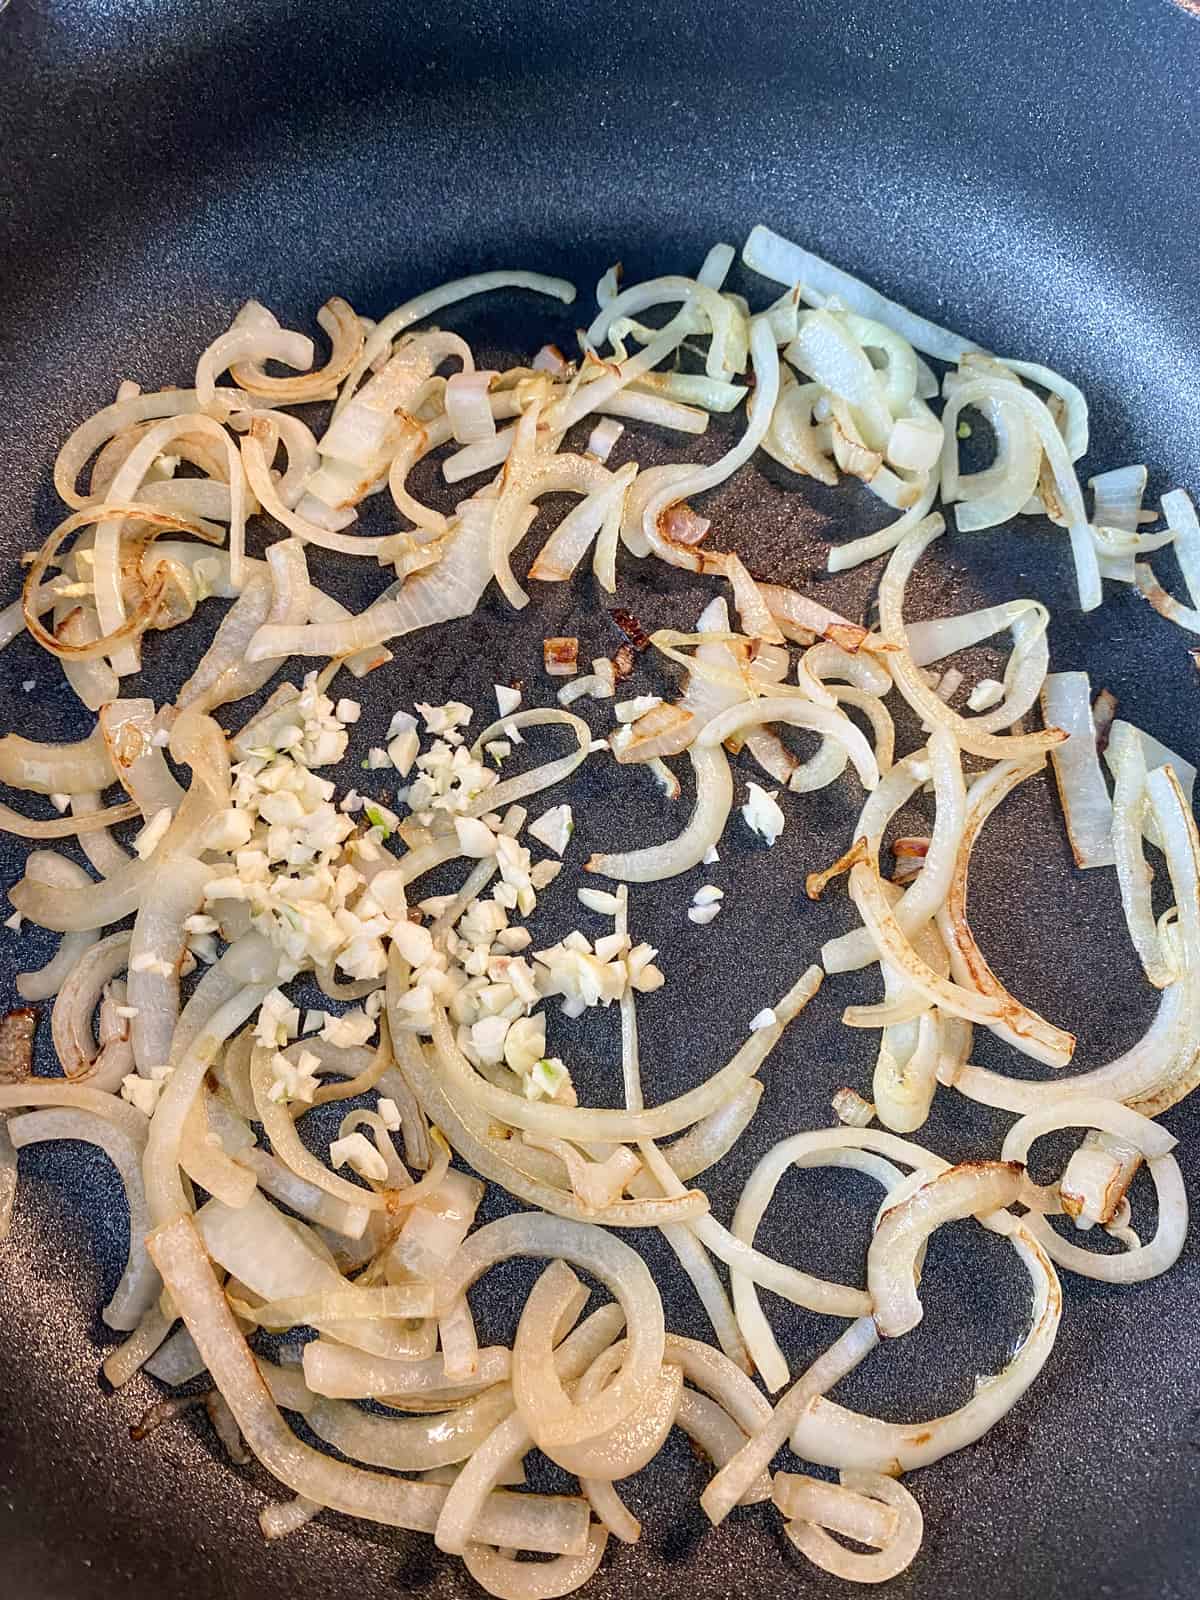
{"x":1028,"y":174}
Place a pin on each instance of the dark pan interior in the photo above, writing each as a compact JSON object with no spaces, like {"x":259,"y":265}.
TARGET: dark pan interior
{"x":1026,"y":174}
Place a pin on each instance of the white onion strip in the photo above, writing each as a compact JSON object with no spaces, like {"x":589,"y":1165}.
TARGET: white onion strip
{"x":139,"y":1286}
{"x":727,"y":1488}
{"x":822,"y":1147}
{"x":1002,"y":1013}
{"x":1067,"y":704}
{"x":925,"y":701}
{"x":777,"y":258}
{"x":1155,"y":1143}
{"x":551,"y":1416}
{"x":714,"y":800}
{"x":976,"y":1188}
{"x":532,"y":1522}
{"x":878,"y":1566}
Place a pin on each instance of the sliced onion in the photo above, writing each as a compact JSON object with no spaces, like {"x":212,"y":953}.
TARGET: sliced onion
{"x":834,"y":1507}
{"x":792,"y":438}
{"x":615,"y":1127}
{"x":1166,"y":605}
{"x":346,"y":337}
{"x":56,"y":768}
{"x":805,"y":617}
{"x":533,"y":1522}
{"x":727,"y":1488}
{"x":766,"y":371}
{"x":287,"y":1145}
{"x":159,"y":936}
{"x":714,"y":800}
{"x":933,"y":711}
{"x":73,"y":947}
{"x":974,"y":1189}
{"x":140,"y":1284}
{"x":823,"y":1147}
{"x":128,"y":727}
{"x":602,"y":507}
{"x":1144,"y":1261}
{"x":251,"y":339}
{"x":389,"y":328}
{"x":896,"y":1553}
{"x":1058,"y":459}
{"x":631,"y":1444}
{"x":706,"y":305}
{"x":999,"y":1011}
{"x":500,"y":1575}
{"x":774,"y":257}
{"x":113,"y":420}
{"x":551,"y":1416}
{"x":164,"y":1189}
{"x":1067,"y":704}
{"x":833,"y":725}
{"x":1138,"y":1071}
{"x":344,"y":1374}
{"x":77,"y":998}
{"x":1127,"y":759}
{"x":830,"y":355}
{"x":941,"y":762}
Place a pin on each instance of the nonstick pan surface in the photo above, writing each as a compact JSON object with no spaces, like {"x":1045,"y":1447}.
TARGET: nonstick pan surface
{"x":1026,"y":174}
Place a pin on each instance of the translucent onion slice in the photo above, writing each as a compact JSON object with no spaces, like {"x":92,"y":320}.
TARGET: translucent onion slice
{"x":56,"y":768}
{"x":967,"y":961}
{"x":633,"y":1443}
{"x":1058,"y":460}
{"x":340,"y":1373}
{"x":140,"y":1284}
{"x":552,"y":1417}
{"x":618,"y":1127}
{"x":881,"y":1565}
{"x":941,"y":762}
{"x":288,"y":1146}
{"x":56,"y":871}
{"x":1186,"y":617}
{"x":389,"y":328}
{"x":1001,"y":1012}
{"x":832,"y":724}
{"x":831,"y":1436}
{"x":777,"y":258}
{"x":696,"y":296}
{"x":115,"y":419}
{"x":834,"y":1507}
{"x":76,"y":1001}
{"x":602,"y":508}
{"x":346,"y":336}
{"x":1127,"y":759}
{"x":714,"y":800}
{"x":513,"y":790}
{"x":302,"y":1197}
{"x":765,"y":360}
{"x":1156,"y":1144}
{"x":508,"y":1579}
{"x":828,"y":353}
{"x":908,"y":678}
{"x":1067,"y":704}
{"x":790,"y":1283}
{"x":727,"y":1488}
{"x":164,"y":1188}
{"x":159,"y":938}
{"x":975,"y":1189}
{"x":833,"y":1147}
{"x":532,"y":1522}
{"x":1138,"y":1071}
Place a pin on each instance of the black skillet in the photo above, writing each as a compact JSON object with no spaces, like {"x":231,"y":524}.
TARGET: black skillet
{"x":1027,"y":174}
